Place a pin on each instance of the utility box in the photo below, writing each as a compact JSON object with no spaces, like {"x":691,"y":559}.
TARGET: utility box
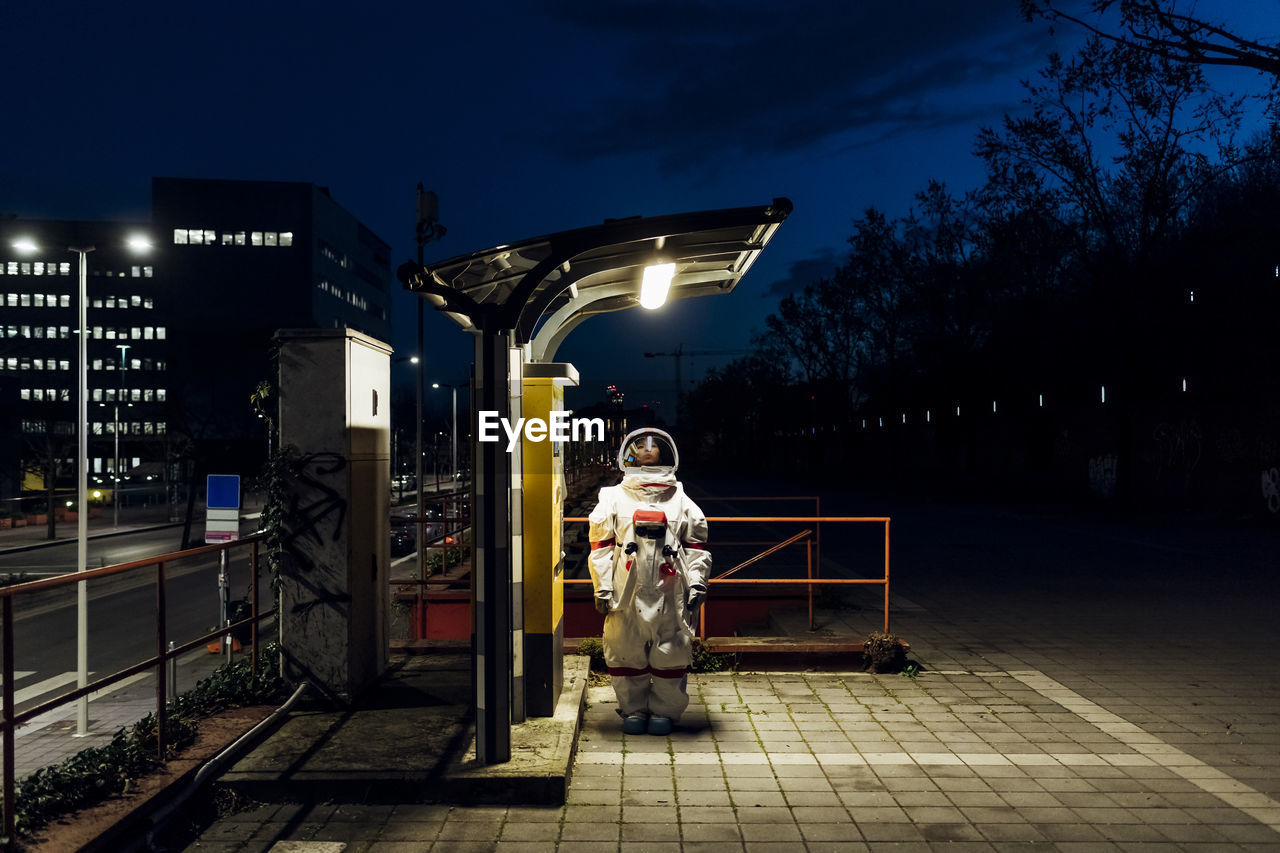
{"x":544,"y":493}
{"x":335,"y":412}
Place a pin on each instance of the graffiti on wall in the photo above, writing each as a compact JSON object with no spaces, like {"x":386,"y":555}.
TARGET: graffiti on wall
{"x":1102,"y":475}
{"x":1177,"y":446}
{"x":314,"y":519}
{"x":1271,"y":490}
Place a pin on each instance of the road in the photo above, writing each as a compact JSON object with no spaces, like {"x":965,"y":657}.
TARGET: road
{"x":121,"y":612}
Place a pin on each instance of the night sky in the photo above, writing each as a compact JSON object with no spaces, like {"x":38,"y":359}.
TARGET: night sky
{"x":528,"y":119}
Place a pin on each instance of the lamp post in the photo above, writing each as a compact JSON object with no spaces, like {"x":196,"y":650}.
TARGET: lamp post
{"x":115,"y":492}
{"x":417,"y":445}
{"x":137,"y":243}
{"x":453,"y":430}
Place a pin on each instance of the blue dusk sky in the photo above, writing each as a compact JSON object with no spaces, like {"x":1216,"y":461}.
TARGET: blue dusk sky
{"x":530,"y":118}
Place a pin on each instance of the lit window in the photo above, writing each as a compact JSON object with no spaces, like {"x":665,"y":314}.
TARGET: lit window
{"x":210,"y":237}
{"x":195,"y":236}
{"x":13,"y":331}
{"x":135,"y":272}
{"x":39,"y":300}
{"x":40,"y":332}
{"x":159,"y":333}
{"x":24,"y":394}
{"x":269,"y":238}
{"x":179,"y":236}
{"x":11,"y":299}
{"x":135,"y":364}
{"x":255,"y":238}
{"x":136,"y":333}
{"x":286,"y":238}
{"x":64,"y":395}
{"x":97,"y":465}
{"x":239,"y":238}
{"x":148,"y":303}
{"x":24,"y":300}
{"x":39,"y":268}
{"x":136,"y":395}
{"x":96,"y":303}
{"x":97,"y":428}
{"x":227,"y":238}
{"x":146,"y":272}
{"x":148,"y":428}
{"x":38,"y":364}
{"x":136,"y":460}
{"x":26,"y":268}
{"x":111,"y":302}
{"x":160,"y":427}
{"x":148,"y":333}
{"x":13,"y":363}
{"x":64,"y":301}
{"x":64,"y":332}
{"x":97,"y":364}
{"x":64,"y":365}
{"x":97,"y":395}
{"x":26,"y":331}
{"x":160,"y":395}
{"x":38,"y":394}
{"x":64,"y":268}
{"x":136,"y":301}
{"x":13,"y":267}
{"x":148,"y":395}
{"x":111,"y":334}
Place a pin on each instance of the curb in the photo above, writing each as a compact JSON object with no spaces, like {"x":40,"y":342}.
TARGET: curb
{"x":17,"y":549}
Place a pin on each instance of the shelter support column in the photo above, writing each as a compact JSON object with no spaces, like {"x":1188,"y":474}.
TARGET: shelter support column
{"x":491,"y":561}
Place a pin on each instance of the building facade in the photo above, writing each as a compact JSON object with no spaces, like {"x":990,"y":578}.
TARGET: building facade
{"x":180,"y":337}
{"x":128,"y":355}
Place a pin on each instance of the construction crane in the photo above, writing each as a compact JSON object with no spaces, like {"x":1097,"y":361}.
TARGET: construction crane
{"x":679,"y":356}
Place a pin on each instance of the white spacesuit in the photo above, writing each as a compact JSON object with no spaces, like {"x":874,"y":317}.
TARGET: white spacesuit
{"x":649,"y":566}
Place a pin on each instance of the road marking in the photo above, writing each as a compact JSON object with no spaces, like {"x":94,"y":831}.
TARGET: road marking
{"x":20,"y":674}
{"x":43,"y":686}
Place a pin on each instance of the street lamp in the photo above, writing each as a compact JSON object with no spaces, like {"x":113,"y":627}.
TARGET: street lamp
{"x":138,"y":243}
{"x":453,"y":431}
{"x":115,"y":493}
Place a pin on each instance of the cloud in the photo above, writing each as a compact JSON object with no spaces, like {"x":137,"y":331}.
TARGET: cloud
{"x":696,"y":81}
{"x":820,"y":264}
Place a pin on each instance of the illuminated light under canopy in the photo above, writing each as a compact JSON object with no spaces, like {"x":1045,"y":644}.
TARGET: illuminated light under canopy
{"x":656,"y":284}
{"x":139,"y":243}
{"x":25,"y":244}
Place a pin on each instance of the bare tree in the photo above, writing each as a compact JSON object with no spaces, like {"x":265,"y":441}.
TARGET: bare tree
{"x":1161,"y":27}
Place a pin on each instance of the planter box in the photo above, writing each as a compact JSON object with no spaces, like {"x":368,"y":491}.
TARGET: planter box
{"x":6,"y":523}
{"x":19,"y":522}
{"x":37,"y":518}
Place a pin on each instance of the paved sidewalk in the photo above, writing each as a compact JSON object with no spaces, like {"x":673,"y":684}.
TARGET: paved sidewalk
{"x":1088,"y":686}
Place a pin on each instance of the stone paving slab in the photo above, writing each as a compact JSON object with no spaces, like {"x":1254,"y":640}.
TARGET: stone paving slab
{"x":1124,"y":789}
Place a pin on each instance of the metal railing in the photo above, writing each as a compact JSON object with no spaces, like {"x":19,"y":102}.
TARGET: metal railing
{"x":10,"y":720}
{"x":808,"y":539}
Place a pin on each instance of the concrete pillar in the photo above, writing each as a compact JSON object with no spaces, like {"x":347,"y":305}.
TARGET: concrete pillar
{"x":544,"y":492}
{"x":335,"y":409}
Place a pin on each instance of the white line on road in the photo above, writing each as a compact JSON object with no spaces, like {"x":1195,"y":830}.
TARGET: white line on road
{"x":43,"y":686}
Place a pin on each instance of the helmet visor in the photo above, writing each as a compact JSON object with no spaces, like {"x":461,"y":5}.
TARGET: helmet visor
{"x":647,"y":450}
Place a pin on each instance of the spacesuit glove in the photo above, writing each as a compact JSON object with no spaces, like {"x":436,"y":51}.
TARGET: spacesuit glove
{"x":695,"y":597}
{"x":602,"y":606}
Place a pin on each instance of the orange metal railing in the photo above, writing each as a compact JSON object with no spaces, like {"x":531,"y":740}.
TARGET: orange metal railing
{"x":10,"y":720}
{"x":808,"y":538}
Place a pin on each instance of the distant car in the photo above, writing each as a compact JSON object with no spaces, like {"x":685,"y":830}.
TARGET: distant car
{"x":401,"y":540}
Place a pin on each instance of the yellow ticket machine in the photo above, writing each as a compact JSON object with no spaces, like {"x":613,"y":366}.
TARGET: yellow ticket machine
{"x":544,"y":493}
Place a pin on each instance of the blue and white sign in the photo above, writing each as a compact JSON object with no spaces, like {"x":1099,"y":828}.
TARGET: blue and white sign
{"x":222,"y":502}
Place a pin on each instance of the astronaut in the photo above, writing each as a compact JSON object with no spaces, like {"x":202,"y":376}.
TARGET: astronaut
{"x":649,"y":567}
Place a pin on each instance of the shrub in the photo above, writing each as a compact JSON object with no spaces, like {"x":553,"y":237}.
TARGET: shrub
{"x":883,"y":653}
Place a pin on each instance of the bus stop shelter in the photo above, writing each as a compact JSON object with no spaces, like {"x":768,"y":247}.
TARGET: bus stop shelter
{"x":520,"y":301}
